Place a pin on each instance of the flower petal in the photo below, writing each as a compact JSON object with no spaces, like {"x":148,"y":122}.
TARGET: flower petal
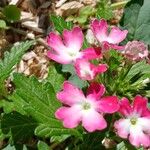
{"x":123,"y":127}
{"x":55,"y":42}
{"x":99,"y":29}
{"x":95,"y":91}
{"x":92,"y":120}
{"x":70,"y":94}
{"x":138,"y":138}
{"x":73,"y":39}
{"x":84,"y":69}
{"x":108,"y":104}
{"x":116,"y":35}
{"x":59,"y":58}
{"x":71,"y":116}
{"x":125,"y":108}
{"x":91,"y":53}
{"x":140,"y":106}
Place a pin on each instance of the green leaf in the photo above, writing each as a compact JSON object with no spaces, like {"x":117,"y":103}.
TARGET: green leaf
{"x":7,"y":106}
{"x":55,"y":77}
{"x":10,"y":59}
{"x":136,"y":20}
{"x":12,"y":13}
{"x":20,"y":126}
{"x":104,"y":10}
{"x":92,"y":141}
{"x":77,"y":81}
{"x":43,"y":146}
{"x":84,"y":12}
{"x":2,"y":24}
{"x":139,"y":68}
{"x":41,"y":104}
{"x":60,"y":24}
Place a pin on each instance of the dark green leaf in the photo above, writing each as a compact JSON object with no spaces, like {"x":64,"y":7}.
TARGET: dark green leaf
{"x":136,"y":20}
{"x":20,"y":126}
{"x":12,"y":13}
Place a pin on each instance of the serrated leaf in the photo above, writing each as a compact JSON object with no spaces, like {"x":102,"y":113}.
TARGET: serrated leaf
{"x":55,"y":77}
{"x":41,"y":104}
{"x":138,"y":68}
{"x":60,"y":24}
{"x":104,"y":10}
{"x":20,"y":126}
{"x":10,"y":59}
{"x":12,"y":13}
{"x":136,"y":20}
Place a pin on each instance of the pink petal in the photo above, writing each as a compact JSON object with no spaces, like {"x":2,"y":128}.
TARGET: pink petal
{"x":123,"y":127}
{"x":140,"y":106}
{"x":108,"y":104}
{"x":71,"y":116}
{"x":100,"y":68}
{"x":99,"y":29}
{"x":125,"y":108}
{"x":138,"y":138}
{"x":73,"y":39}
{"x":84,"y":69}
{"x":106,"y":46}
{"x":92,"y":120}
{"x":55,"y":42}
{"x":91,"y":53}
{"x":87,"y":71}
{"x":59,"y":58}
{"x":95,"y":90}
{"x":70,"y":94}
{"x":116,"y":35}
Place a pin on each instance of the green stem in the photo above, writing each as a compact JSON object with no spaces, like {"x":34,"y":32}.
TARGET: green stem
{"x":119,"y":4}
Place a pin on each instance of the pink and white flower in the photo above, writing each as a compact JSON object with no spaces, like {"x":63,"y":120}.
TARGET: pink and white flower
{"x":136,"y":50}
{"x":100,"y":30}
{"x":136,"y":122}
{"x":87,"y":71}
{"x":87,"y":109}
{"x":67,"y":50}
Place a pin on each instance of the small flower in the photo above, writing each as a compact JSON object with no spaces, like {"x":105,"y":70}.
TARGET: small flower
{"x":67,"y":50}
{"x":100,"y":30}
{"x":136,"y":50}
{"x":86,"y":109}
{"x":136,"y":124}
{"x":87,"y":71}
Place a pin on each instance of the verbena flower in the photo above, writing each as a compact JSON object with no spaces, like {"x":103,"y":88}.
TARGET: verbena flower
{"x":87,"y":109}
{"x":136,"y":50}
{"x":87,"y":71}
{"x":67,"y":49}
{"x":111,"y":40}
{"x":136,"y":122}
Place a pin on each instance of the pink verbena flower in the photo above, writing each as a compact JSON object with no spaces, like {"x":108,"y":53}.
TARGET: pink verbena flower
{"x":100,"y":30}
{"x":86,"y":109}
{"x":136,"y":122}
{"x":87,"y":71}
{"x":67,"y":50}
{"x":136,"y":50}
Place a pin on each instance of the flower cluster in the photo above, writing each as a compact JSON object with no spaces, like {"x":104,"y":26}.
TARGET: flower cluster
{"x":90,"y":109}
